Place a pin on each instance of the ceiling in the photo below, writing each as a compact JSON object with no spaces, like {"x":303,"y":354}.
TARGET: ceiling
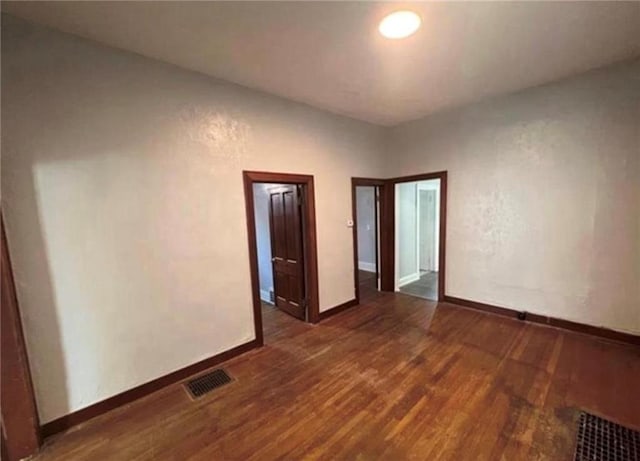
{"x":330,"y":55}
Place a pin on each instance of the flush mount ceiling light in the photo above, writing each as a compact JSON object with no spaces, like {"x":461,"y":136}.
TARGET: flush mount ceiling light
{"x":400,"y":24}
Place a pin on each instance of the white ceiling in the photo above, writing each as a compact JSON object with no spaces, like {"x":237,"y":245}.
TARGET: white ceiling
{"x":329,"y":54}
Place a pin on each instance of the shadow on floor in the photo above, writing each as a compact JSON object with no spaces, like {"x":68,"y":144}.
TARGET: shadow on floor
{"x":426,"y":287}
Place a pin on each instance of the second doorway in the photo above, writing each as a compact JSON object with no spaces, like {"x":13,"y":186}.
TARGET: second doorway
{"x":368,"y":233}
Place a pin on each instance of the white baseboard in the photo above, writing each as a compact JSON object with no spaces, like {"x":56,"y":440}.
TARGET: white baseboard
{"x":408,"y":279}
{"x":266,"y":296}
{"x":368,"y":267}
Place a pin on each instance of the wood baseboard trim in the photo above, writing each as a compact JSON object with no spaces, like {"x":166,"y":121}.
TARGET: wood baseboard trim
{"x":72,"y":419}
{"x":337,"y":309}
{"x":577,"y":327}
{"x":481,"y":306}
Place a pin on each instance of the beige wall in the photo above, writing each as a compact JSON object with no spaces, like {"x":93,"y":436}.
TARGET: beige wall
{"x":122,"y":192}
{"x":544,"y":196}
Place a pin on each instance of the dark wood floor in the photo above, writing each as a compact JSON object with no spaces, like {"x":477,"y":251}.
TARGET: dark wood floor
{"x":393,"y":379}
{"x":368,"y":284}
{"x":425,"y":287}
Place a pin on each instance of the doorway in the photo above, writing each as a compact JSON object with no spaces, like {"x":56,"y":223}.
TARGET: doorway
{"x":282,"y":247}
{"x":368,"y":249}
{"x":419,"y":232}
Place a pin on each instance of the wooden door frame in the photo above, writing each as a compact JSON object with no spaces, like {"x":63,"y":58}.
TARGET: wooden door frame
{"x":309,"y":240}
{"x":390,"y":224}
{"x":383,"y":236}
{"x":21,"y":436}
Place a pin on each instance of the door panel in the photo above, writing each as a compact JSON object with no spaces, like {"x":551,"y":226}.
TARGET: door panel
{"x":287,"y":250}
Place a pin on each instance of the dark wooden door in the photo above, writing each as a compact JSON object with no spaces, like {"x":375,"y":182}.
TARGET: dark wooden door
{"x":287,"y":249}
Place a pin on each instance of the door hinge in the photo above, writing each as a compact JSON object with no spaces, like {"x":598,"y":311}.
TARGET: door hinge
{"x":300,"y":196}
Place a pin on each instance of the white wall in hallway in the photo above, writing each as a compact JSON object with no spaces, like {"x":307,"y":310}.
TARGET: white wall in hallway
{"x":426,"y":230}
{"x":408,"y":232}
{"x":434,"y":185}
{"x":123,"y":199}
{"x":365,"y":207}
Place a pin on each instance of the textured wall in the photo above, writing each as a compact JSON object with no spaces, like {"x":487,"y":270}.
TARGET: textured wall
{"x":122,"y":193}
{"x":544,"y":196}
{"x":406,"y":232}
{"x":123,"y":198}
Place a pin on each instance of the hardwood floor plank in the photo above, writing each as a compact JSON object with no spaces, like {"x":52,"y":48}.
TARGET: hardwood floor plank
{"x":396,"y":377}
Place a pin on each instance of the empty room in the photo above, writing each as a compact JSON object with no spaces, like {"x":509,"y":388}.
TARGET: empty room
{"x":320,"y":230}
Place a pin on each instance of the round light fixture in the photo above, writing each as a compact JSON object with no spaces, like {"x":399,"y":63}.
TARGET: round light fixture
{"x":400,"y":24}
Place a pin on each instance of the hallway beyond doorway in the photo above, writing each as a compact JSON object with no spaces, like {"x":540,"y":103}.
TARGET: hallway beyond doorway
{"x":418,"y":209}
{"x":425,"y":287}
